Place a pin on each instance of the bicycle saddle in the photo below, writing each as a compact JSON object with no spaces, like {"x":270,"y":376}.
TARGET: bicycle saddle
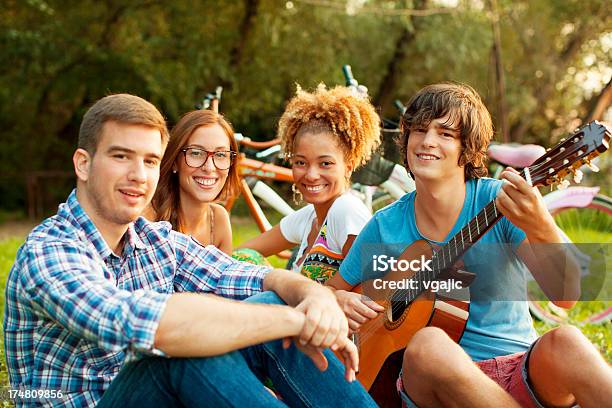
{"x":514,"y":154}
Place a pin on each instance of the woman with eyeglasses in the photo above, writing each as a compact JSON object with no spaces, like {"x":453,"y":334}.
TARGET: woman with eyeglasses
{"x":198,"y":168}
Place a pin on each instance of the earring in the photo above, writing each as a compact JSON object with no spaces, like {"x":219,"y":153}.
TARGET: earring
{"x":174,"y":171}
{"x":297,"y":194}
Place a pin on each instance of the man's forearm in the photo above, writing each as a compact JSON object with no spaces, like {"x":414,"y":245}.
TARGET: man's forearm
{"x":554,"y":266}
{"x":290,"y":286}
{"x":197,"y":325}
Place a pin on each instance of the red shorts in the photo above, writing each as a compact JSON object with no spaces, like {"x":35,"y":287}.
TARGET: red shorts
{"x":509,"y":372}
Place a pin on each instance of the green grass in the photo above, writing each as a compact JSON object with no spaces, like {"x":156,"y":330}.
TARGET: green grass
{"x":586,"y":225}
{"x":244,"y":229}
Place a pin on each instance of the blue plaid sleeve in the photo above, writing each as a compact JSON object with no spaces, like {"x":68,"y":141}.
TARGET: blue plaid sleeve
{"x":66,"y":284}
{"x":207,"y":269}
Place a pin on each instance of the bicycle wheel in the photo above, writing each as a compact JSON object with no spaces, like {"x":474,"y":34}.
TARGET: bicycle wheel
{"x":591,"y":224}
{"x":588,"y":225}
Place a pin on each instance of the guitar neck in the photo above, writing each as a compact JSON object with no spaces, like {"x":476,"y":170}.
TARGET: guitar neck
{"x":448,"y":254}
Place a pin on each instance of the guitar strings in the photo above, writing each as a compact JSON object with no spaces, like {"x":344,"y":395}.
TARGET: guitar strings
{"x":409,"y":295}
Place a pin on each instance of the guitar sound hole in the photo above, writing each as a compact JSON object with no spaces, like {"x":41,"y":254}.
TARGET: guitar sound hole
{"x":397,"y":310}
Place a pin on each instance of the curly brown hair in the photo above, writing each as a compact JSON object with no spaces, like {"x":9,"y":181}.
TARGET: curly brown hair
{"x":466,"y":111}
{"x":350,"y":117}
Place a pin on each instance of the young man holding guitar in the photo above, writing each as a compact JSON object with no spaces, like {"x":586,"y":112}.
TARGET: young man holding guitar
{"x":499,"y":360}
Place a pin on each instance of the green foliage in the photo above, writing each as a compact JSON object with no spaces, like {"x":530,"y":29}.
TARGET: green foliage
{"x":60,"y":56}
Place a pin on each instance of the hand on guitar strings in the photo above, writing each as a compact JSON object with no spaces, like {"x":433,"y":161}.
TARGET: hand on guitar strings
{"x":358,"y":308}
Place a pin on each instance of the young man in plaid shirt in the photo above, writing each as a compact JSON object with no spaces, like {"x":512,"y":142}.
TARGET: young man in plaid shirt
{"x":100,"y":303}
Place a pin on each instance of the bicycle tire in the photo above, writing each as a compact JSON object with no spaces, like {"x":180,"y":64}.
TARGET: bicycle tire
{"x":590,"y":224}
{"x":578,"y":222}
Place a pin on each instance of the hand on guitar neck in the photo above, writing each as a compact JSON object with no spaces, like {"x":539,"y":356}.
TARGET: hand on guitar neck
{"x":523,"y":205}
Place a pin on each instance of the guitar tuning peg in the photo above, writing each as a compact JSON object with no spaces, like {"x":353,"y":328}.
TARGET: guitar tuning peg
{"x":593,"y":167}
{"x":563,"y":185}
{"x":578,"y":176}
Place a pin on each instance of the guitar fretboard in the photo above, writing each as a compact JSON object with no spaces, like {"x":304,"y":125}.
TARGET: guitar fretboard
{"x":448,"y":254}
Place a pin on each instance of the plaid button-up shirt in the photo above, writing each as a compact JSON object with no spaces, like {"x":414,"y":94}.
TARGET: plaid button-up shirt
{"x":75,"y":312}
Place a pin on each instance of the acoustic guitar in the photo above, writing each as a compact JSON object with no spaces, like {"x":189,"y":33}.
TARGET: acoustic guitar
{"x":381,"y":341}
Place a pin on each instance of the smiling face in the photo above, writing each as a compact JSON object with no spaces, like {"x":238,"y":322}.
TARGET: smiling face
{"x":202,"y":184}
{"x":120,"y":179}
{"x":433,"y":151}
{"x":319,"y":167}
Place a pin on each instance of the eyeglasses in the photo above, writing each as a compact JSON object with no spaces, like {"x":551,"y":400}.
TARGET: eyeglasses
{"x":195,"y":157}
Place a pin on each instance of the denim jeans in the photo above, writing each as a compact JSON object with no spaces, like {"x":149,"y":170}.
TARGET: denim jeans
{"x":235,"y":379}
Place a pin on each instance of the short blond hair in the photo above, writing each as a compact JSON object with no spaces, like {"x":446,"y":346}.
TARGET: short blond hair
{"x":350,"y":117}
{"x":121,"y":108}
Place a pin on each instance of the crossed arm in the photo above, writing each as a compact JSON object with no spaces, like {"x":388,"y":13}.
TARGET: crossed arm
{"x":68,"y":286}
{"x":205,"y":325}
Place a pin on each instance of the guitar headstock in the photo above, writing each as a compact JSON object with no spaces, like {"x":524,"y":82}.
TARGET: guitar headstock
{"x":576,"y":150}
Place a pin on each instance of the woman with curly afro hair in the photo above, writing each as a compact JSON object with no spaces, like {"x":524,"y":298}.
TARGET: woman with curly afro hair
{"x":326,"y":135}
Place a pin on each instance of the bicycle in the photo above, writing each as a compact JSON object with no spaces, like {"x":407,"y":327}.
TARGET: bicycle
{"x":381,"y":181}
{"x":256,"y":167}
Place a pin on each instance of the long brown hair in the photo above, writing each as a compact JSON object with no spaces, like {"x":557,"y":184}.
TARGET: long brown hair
{"x":466,"y":111}
{"x":166,"y":201}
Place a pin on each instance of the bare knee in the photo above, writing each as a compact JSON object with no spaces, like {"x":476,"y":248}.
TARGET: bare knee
{"x":561,"y":362}
{"x":426,"y":343}
{"x":433,"y":361}
{"x":429,"y":349}
{"x":564,"y":347}
{"x":565,"y":340}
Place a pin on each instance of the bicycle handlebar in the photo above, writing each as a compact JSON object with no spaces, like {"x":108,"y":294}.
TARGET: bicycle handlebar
{"x":268,"y":152}
{"x":348,"y":76}
{"x":399,"y":106}
{"x":211,"y":100}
